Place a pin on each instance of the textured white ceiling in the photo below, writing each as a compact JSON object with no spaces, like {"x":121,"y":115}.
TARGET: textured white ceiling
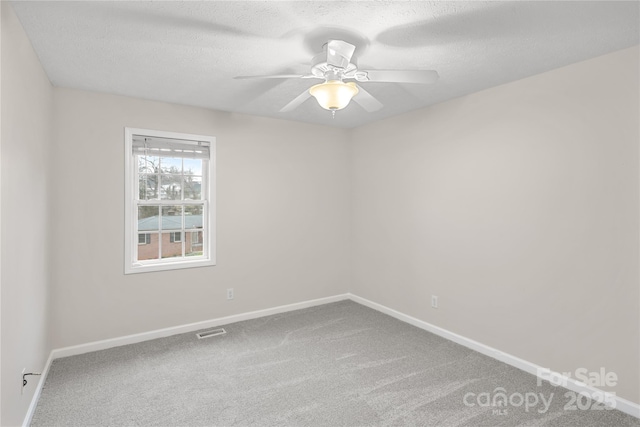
{"x":189,"y":52}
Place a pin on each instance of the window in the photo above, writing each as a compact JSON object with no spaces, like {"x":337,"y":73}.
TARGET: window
{"x":170,"y":195}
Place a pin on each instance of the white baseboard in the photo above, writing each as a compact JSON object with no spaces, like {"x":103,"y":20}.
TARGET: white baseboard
{"x":190,"y":327}
{"x":623,"y":405}
{"x":572,"y":384}
{"x":36,"y":394}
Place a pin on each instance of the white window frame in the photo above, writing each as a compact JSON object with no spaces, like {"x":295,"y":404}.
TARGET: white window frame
{"x":208,"y":258}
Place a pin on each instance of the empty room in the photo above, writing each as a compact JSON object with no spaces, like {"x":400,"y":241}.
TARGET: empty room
{"x":320,"y":213}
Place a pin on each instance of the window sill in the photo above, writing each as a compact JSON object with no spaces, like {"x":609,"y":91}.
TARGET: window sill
{"x":141,"y":267}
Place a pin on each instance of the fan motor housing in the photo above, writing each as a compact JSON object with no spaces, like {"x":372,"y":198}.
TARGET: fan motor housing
{"x":320,"y":67}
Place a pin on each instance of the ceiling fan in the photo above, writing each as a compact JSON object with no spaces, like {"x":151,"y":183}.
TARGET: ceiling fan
{"x":334,"y":65}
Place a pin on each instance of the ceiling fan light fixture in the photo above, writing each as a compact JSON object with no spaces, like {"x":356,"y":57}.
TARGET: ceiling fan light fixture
{"x":334,"y":94}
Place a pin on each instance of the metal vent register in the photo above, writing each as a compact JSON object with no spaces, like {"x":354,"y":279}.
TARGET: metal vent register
{"x":211,"y":333}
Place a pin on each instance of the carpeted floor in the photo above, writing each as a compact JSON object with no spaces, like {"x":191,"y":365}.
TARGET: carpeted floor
{"x":339,"y":364}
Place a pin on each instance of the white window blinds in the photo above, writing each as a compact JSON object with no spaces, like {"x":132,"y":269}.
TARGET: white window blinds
{"x":166,"y":147}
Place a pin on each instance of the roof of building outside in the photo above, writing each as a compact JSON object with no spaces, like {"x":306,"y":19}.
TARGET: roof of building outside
{"x":170,"y":222}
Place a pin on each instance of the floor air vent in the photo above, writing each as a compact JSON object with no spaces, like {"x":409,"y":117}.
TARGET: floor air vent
{"x":211,"y":333}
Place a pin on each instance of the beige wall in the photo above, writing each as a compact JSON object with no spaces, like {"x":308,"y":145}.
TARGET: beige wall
{"x":282,"y":219}
{"x":518,"y":207}
{"x":25,"y":150}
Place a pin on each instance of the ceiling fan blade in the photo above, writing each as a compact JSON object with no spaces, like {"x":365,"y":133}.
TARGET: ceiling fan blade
{"x":367,"y":101}
{"x":339,"y":53}
{"x":278,"y":76}
{"x":297,"y":101}
{"x":398,"y":76}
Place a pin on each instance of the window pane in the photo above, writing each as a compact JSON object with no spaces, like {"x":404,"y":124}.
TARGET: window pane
{"x":148,"y":218}
{"x":192,"y":187}
{"x":170,"y":187}
{"x":149,"y":250}
{"x":193,"y":243}
{"x":148,"y":164}
{"x":171,"y":165}
{"x":148,"y":187}
{"x":172,"y":218}
{"x":192,"y":216}
{"x":170,"y":249}
{"x":192,"y":166}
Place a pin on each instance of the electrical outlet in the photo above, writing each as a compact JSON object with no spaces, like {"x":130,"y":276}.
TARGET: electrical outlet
{"x":434,"y":301}
{"x":230,"y":293}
